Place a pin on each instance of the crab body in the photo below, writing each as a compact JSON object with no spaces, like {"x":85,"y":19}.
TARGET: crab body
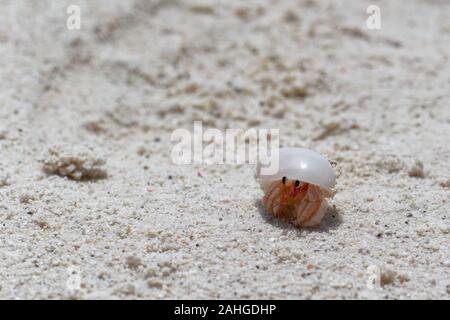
{"x":298,"y":190}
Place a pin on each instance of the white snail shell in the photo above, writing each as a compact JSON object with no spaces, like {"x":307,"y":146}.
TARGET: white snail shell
{"x":297,"y":190}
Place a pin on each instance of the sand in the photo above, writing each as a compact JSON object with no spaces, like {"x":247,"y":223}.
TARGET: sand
{"x":92,"y":206}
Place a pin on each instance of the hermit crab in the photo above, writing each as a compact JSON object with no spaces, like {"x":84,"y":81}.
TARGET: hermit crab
{"x":297,"y":190}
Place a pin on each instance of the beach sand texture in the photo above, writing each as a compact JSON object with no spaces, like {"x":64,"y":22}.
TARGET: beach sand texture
{"x":92,"y":207}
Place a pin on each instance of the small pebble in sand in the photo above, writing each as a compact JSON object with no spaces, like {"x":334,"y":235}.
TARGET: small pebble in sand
{"x":295,"y":92}
{"x":445,"y":184}
{"x":379,"y":277}
{"x":416,"y":170}
{"x":3,"y":134}
{"x":154,"y":283}
{"x":74,"y":163}
{"x":4,"y":180}
{"x":42,"y":224}
{"x":134,"y":263}
{"x":290,"y":17}
{"x":127,"y":289}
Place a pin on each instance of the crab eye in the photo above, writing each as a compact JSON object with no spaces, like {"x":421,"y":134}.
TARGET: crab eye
{"x":297,"y":183}
{"x":283,"y":180}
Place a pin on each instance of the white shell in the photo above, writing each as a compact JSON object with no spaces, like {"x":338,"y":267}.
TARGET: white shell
{"x":304,"y":165}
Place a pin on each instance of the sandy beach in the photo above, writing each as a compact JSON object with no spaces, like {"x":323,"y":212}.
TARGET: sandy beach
{"x":92,"y":206}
